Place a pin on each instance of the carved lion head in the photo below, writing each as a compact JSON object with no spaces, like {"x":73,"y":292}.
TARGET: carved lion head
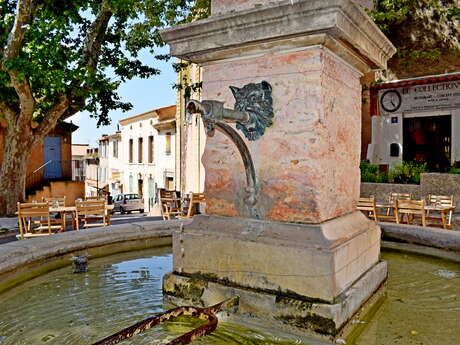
{"x":256,"y":101}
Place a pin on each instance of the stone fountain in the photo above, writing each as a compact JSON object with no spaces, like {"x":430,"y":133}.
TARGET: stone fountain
{"x":281,"y":229}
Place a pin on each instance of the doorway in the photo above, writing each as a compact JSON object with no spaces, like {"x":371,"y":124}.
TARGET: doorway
{"x":140,"y":187}
{"x":428,"y":140}
{"x":52,"y":158}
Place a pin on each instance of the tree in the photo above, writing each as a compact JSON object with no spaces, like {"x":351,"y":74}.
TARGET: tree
{"x":426,"y":33}
{"x":54,"y":61}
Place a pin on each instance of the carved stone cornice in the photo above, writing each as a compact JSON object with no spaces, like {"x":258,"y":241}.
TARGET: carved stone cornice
{"x":339,"y":24}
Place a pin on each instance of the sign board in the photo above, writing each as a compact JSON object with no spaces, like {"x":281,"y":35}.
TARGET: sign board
{"x":420,"y":98}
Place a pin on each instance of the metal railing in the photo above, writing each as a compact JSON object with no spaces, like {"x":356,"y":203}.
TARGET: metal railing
{"x":55,"y":170}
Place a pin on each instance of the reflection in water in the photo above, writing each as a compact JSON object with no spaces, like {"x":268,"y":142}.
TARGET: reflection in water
{"x":423,"y":305}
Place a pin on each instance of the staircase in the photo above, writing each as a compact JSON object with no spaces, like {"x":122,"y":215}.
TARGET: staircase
{"x":56,"y":178}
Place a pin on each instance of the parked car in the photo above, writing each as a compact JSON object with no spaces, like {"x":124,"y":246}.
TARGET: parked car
{"x":128,"y":202}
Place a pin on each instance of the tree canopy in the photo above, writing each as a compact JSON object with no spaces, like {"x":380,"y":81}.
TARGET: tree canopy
{"x":55,"y":50}
{"x":59,"y":57}
{"x":426,"y":33}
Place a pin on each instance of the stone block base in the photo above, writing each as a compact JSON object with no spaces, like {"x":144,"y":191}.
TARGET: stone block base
{"x":277,"y":312}
{"x":319,"y":261}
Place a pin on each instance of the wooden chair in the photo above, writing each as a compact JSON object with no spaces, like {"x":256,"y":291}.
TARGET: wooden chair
{"x":411,"y":209}
{"x":440,"y":200}
{"x":189,"y":205}
{"x":367,"y":205}
{"x":57,"y":201}
{"x":399,"y":196}
{"x":392,"y":197}
{"x":100,"y":198}
{"x":170,"y":204}
{"x":35,"y":220}
{"x":92,"y":213}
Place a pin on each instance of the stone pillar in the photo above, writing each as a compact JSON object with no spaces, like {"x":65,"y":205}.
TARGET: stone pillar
{"x":308,"y":241}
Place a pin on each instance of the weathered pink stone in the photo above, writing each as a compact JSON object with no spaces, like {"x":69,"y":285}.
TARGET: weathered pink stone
{"x":307,"y":163}
{"x":225,"y":6}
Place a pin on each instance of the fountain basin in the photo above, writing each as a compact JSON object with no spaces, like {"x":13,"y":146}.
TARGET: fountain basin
{"x":419,"y":305}
{"x":26,"y":259}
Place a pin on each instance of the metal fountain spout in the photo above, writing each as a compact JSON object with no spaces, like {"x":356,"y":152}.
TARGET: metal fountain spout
{"x":213,"y":111}
{"x":253,"y":113}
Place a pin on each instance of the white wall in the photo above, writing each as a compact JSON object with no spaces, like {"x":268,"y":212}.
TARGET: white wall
{"x":115,"y":167}
{"x":384,"y":133}
{"x":455,"y":135}
{"x":162,"y":165}
{"x":195,"y":141}
{"x":190,"y":172}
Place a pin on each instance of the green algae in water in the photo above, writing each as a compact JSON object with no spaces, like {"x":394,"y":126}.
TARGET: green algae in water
{"x":423,"y":303}
{"x":62,"y":308}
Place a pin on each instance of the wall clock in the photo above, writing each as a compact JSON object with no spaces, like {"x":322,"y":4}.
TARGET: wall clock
{"x":390,"y":101}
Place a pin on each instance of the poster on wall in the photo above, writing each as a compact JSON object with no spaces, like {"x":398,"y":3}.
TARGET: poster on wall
{"x":420,"y":98}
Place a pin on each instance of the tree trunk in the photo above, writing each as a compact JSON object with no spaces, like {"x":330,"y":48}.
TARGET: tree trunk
{"x":16,"y":152}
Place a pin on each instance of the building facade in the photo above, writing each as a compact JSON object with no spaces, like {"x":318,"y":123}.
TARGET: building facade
{"x":79,"y":162}
{"x":111,"y":163}
{"x":190,"y":135}
{"x":416,"y":120}
{"x":51,"y":159}
{"x":50,"y":167}
{"x":92,"y":172}
{"x":148,"y":154}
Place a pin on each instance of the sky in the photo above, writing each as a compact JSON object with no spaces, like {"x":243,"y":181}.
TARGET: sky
{"x":143,"y":94}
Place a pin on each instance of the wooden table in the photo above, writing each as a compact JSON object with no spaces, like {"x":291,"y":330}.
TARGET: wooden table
{"x":72,"y":211}
{"x":443,"y":210}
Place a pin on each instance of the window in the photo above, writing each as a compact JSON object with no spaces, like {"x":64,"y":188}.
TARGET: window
{"x":115,"y":148}
{"x":101,"y":145}
{"x":140,"y":187}
{"x":150,"y":149}
{"x":168,"y":144}
{"x":139,"y":149}
{"x":131,"y":144}
{"x":104,"y":149}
